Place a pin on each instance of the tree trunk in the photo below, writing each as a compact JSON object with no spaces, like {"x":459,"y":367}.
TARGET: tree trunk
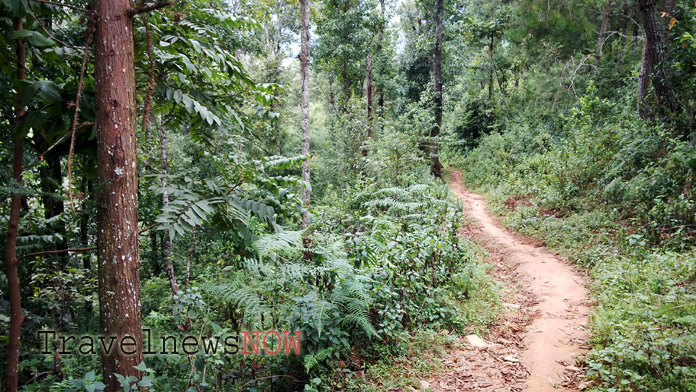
{"x":304,"y":75}
{"x":276,"y":93}
{"x":644,"y":82}
{"x":117,"y":203}
{"x":601,"y":39}
{"x":380,"y":45}
{"x":344,"y":70}
{"x":435,"y":165}
{"x":490,"y":65}
{"x":167,"y":243}
{"x":368,"y":94}
{"x":11,"y":261}
{"x":658,"y":58}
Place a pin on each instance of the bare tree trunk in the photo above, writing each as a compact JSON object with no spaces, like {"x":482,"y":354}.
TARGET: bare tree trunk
{"x":368,"y":93}
{"x":344,"y":71}
{"x":601,"y":39}
{"x":276,"y":94}
{"x":304,"y":74}
{"x":435,"y":165}
{"x":11,"y":261}
{"x":117,"y":206}
{"x":644,"y":82}
{"x":380,"y":44}
{"x":167,"y":243}
{"x":490,"y":66}
{"x":658,"y":58}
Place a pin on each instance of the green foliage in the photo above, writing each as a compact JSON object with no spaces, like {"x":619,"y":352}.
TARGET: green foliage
{"x":614,"y":193}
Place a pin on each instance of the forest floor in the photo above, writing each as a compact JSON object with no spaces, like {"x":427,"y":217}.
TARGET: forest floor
{"x":540,"y":341}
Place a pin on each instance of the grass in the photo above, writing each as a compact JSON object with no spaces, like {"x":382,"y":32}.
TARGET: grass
{"x":644,"y":295}
{"x":417,"y":357}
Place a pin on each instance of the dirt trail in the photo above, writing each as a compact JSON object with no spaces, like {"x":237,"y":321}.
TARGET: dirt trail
{"x":545,"y":294}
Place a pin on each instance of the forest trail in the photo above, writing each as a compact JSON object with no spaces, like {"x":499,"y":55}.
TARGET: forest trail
{"x":543,"y":293}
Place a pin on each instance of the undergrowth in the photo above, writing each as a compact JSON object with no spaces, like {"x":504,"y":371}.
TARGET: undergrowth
{"x":614,"y":195}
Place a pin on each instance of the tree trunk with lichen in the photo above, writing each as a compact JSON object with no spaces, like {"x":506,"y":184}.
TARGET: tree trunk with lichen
{"x":117,"y":202}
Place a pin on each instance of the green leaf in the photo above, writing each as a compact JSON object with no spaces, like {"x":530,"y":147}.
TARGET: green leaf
{"x":33,"y":37}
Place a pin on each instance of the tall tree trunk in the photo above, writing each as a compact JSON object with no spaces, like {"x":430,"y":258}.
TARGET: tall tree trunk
{"x":11,"y":261}
{"x":435,"y":165}
{"x":344,"y":70}
{"x":276,"y":93}
{"x":117,"y":203}
{"x":380,"y":45}
{"x":658,"y":58}
{"x":490,"y":65}
{"x":601,"y":39}
{"x":368,"y":94}
{"x":623,"y":30}
{"x":167,"y":243}
{"x":304,"y":75}
{"x":644,"y":82}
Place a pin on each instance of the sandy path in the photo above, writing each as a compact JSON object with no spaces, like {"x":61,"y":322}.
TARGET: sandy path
{"x":556,"y":335}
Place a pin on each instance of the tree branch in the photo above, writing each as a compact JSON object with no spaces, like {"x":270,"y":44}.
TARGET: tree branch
{"x":77,"y":110}
{"x":72,"y":7}
{"x":87,"y":249}
{"x":140,"y":8}
{"x":44,"y":28}
{"x":46,"y":252}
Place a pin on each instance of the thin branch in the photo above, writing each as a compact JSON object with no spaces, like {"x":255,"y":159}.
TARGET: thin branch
{"x":46,"y":252}
{"x":148,"y":228}
{"x":77,"y":111}
{"x":87,"y":249}
{"x":44,"y":28}
{"x":140,"y":8}
{"x":72,"y":7}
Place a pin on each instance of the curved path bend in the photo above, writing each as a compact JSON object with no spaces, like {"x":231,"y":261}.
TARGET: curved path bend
{"x":557,"y":333}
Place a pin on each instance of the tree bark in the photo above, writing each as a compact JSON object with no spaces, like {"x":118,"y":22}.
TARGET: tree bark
{"x":435,"y":165}
{"x":658,"y":58}
{"x":117,"y":203}
{"x":167,"y":243}
{"x":601,"y":39}
{"x":644,"y":82}
{"x":304,"y":75}
{"x":11,"y":261}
